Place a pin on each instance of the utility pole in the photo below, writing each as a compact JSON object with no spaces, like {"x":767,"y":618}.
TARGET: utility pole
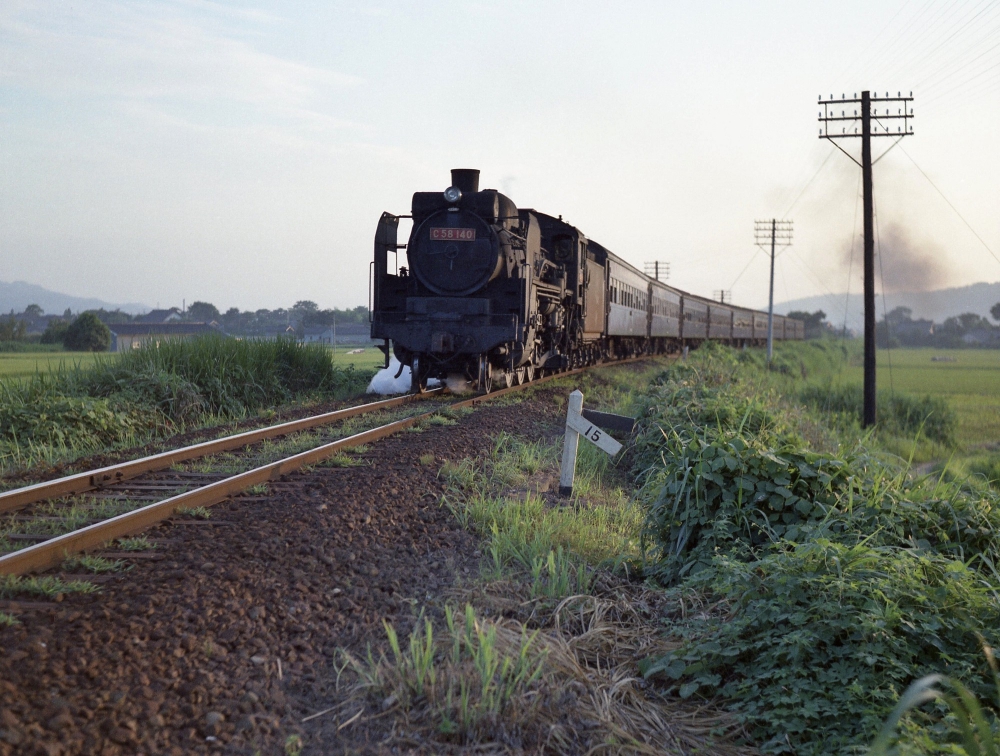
{"x":869,"y":112}
{"x":725,"y":296}
{"x":772,"y":231}
{"x":658,"y":269}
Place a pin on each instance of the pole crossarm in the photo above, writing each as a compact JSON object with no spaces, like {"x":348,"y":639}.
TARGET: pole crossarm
{"x":828,"y":115}
{"x":658,"y":269}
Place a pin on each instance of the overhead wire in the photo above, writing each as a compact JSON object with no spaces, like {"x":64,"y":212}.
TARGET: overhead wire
{"x":927,"y":56}
{"x":967,"y":224}
{"x":807,"y":185}
{"x":957,"y":89}
{"x":745,"y":267}
{"x":932,"y":79}
{"x":928,"y":29}
{"x":900,"y":35}
{"x":872,"y":41}
{"x":850,"y":264}
{"x":885,"y":314}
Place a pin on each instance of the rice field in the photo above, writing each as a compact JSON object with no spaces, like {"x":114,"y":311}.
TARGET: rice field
{"x":26,"y":364}
{"x":18,"y":365}
{"x":968,"y":378}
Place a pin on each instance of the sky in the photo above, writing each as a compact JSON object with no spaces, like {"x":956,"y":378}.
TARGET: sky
{"x":242,"y":153}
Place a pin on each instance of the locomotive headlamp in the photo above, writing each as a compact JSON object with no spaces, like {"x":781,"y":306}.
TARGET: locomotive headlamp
{"x":453,"y":194}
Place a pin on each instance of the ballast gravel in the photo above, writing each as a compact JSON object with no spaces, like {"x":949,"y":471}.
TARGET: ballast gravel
{"x":224,"y":638}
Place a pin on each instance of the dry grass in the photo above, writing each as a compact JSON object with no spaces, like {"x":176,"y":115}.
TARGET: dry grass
{"x":587,"y":697}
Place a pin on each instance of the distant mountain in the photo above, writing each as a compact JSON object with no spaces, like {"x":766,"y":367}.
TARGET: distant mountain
{"x":19,"y":294}
{"x":932,"y":305}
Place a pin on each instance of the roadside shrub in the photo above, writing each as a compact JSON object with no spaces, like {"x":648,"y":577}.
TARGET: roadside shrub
{"x":819,"y":639}
{"x":834,"y":580}
{"x":899,"y":414}
{"x":69,"y":421}
{"x":231,"y":376}
{"x":733,"y":495}
{"x":150,"y":390}
{"x":87,"y":334}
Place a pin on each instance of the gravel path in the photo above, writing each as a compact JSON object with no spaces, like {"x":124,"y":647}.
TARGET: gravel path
{"x":226,"y":638}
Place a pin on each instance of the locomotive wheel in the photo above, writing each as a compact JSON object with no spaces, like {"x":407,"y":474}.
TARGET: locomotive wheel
{"x":520,"y":376}
{"x":529,"y":373}
{"x":485,"y":377}
{"x":506,"y":379}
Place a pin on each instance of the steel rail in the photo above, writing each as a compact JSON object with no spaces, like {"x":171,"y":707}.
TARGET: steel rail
{"x":95,"y":479}
{"x":54,"y":551}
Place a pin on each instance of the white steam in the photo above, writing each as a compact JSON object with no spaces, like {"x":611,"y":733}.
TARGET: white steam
{"x":386,"y":382}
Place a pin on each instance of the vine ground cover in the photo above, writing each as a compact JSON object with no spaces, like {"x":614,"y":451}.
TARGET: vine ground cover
{"x":837,"y":577}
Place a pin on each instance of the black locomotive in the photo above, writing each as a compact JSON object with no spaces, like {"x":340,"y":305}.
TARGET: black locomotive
{"x":498,"y":294}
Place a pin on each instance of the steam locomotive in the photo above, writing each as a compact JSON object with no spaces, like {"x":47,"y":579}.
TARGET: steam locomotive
{"x":499,"y":295}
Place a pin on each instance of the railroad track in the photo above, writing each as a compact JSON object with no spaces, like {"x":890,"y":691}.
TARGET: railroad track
{"x":50,"y":522}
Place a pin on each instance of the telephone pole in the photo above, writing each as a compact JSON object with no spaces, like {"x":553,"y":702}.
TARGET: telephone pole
{"x":658,"y":269}
{"x":773,"y":231}
{"x":869,"y":112}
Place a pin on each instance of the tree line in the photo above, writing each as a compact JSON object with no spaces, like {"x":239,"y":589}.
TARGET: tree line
{"x":899,"y":328}
{"x":89,"y":331}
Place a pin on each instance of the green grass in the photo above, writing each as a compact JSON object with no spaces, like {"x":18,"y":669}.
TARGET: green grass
{"x":92,"y":563}
{"x":101,"y":402}
{"x":27,"y":364}
{"x":467,"y":680}
{"x":42,"y":585}
{"x":19,"y":365}
{"x":369,"y":360}
{"x":971,"y":384}
{"x":137,"y":543}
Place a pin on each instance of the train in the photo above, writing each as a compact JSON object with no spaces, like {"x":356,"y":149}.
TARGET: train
{"x":499,"y":294}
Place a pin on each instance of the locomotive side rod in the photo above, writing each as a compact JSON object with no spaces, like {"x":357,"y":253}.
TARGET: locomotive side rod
{"x":53,"y":552}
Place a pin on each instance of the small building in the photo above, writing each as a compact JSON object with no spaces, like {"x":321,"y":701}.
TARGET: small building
{"x":270,"y":334}
{"x":318,"y":335}
{"x":912,"y":328}
{"x":354,"y":333}
{"x":981,"y":337}
{"x":161,"y":316}
{"x":125,"y":336}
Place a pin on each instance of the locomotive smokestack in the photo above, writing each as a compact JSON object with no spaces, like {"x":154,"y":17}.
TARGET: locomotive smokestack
{"x":466,"y":179}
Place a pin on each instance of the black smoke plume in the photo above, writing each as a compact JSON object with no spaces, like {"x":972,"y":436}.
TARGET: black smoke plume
{"x":905,"y":265}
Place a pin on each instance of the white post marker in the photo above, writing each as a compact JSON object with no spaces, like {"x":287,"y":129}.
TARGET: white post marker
{"x":577,"y":425}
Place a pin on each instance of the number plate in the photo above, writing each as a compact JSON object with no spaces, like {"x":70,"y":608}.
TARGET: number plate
{"x":453,"y":234}
{"x":592,"y":433}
